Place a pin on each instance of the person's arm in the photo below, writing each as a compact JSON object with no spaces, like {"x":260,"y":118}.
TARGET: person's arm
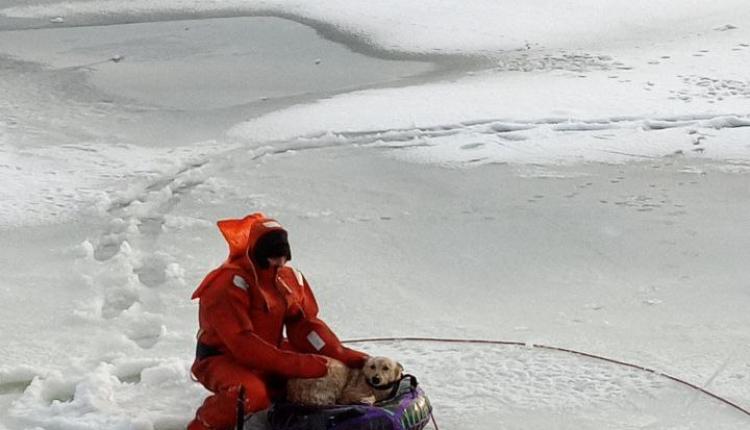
{"x":227,"y":314}
{"x":311,"y":334}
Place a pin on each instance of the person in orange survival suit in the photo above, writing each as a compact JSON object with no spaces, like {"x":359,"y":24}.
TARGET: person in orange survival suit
{"x":244,"y":305}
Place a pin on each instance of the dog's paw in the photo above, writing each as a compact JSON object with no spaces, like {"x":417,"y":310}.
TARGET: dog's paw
{"x":356,"y":397}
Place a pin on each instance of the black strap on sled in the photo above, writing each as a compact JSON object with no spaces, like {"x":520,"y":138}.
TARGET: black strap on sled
{"x":395,"y":385}
{"x":412,"y":382}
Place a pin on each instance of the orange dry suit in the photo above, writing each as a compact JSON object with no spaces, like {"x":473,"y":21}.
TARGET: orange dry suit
{"x":242,"y":313}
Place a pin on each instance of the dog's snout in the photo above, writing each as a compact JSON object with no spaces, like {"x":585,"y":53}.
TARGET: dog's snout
{"x":376,"y":380}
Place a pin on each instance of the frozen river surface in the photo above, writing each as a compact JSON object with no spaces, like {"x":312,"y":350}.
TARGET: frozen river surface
{"x":539,"y":184}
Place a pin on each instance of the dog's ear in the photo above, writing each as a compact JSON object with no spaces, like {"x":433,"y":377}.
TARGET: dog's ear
{"x":400,"y":368}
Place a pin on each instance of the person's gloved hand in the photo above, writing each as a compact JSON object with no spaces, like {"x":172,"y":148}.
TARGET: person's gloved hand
{"x":353,"y":359}
{"x":311,"y":366}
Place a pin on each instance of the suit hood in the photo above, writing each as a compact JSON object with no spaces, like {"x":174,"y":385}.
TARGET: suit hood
{"x":241,"y":235}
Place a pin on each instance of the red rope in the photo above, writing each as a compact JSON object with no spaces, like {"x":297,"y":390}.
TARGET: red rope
{"x":553,"y":348}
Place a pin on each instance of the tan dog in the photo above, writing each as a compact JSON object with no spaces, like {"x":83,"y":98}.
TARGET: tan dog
{"x":381,"y":374}
{"x":345,"y":386}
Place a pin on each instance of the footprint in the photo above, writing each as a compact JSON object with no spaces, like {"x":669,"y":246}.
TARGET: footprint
{"x":133,"y":378}
{"x":143,"y":328}
{"x":725,"y":27}
{"x":15,"y":387}
{"x":154,"y":271}
{"x":108,"y":246}
{"x":117,"y":301}
{"x":110,"y":242}
{"x":472,"y":146}
{"x":152,"y":226}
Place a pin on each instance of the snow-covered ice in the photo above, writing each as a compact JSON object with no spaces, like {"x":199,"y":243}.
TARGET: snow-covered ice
{"x":569,"y":173}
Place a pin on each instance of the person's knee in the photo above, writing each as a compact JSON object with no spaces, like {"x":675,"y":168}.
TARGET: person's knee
{"x":257,"y":395}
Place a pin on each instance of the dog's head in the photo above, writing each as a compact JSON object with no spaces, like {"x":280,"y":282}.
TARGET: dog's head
{"x":382,"y":371}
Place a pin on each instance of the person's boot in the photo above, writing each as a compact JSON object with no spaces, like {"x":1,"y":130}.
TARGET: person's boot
{"x":218,"y":412}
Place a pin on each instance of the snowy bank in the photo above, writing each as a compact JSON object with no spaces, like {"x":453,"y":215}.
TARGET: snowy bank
{"x":475,"y":26}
